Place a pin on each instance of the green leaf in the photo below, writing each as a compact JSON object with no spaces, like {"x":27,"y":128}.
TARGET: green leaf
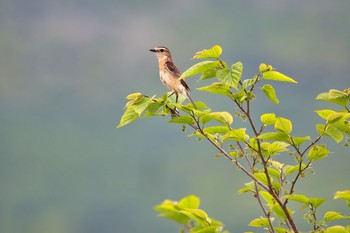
{"x":261,"y":177}
{"x":190,"y":201}
{"x":250,"y":186}
{"x":298,"y":197}
{"x":169,"y":210}
{"x":196,"y":214}
{"x":182,"y":120}
{"x":269,"y":91}
{"x":334,"y":133}
{"x":141,"y":105}
{"x":277,"y":209}
{"x":129,"y":116}
{"x":236,"y":73}
{"x":199,"y":68}
{"x":216,"y":129}
{"x":268,"y":198}
{"x":281,"y":230}
{"x":274,"y":173}
{"x":155,"y":109}
{"x":316,"y":202}
{"x":343,"y":195}
{"x":208,"y":74}
{"x":299,"y":140}
{"x":207,"y":229}
{"x":278,"y":136}
{"x":332,"y":215}
{"x":230,"y":78}
{"x":213,"y":52}
{"x":249,"y":82}
{"x":317,"y":152}
{"x":260,"y":222}
{"x":268,"y":118}
{"x":335,"y":96}
{"x":223,"y":117}
{"x":324,"y":113}
{"x":277,"y":147}
{"x":337,"y":116}
{"x":283,"y":125}
{"x":336,"y":229}
{"x":217,"y":88}
{"x":277,"y":76}
{"x":133,"y":96}
{"x":288,"y":169}
{"x":238,"y":135}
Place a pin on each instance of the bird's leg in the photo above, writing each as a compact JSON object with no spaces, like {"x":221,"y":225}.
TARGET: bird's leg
{"x":177,"y":97}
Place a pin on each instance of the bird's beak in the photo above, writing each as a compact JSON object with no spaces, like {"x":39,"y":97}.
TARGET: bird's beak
{"x":152,"y":50}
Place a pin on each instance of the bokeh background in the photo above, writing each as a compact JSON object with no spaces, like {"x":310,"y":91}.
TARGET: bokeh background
{"x":66,"y":66}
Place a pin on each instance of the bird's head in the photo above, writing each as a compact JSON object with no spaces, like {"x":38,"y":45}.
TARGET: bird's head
{"x":161,"y":52}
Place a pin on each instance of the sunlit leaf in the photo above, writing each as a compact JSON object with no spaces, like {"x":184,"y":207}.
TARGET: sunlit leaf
{"x":281,"y":230}
{"x":133,"y":96}
{"x":277,"y":76}
{"x":298,"y":197}
{"x":274,"y":173}
{"x":223,"y":117}
{"x":182,"y":120}
{"x":268,"y":118}
{"x":317,"y":152}
{"x":228,"y":77}
{"x":248,"y":187}
{"x":129,"y":116}
{"x":332,"y":215}
{"x":324,"y":113}
{"x":345,"y":195}
{"x":269,"y":91}
{"x":277,"y":209}
{"x":217,"y":88}
{"x":169,"y":210}
{"x":196,"y":214}
{"x":335,"y":96}
{"x":277,"y":147}
{"x":260,"y":222}
{"x":213,"y":52}
{"x":283,"y":125}
{"x":216,"y":129}
{"x":238,"y":135}
{"x":141,"y":105}
{"x":208,"y":74}
{"x":199,"y":68}
{"x":261,"y":177}
{"x":288,"y":169}
{"x":316,"y":202}
{"x":274,"y":136}
{"x":334,"y":133}
{"x":299,"y":140}
{"x":336,"y":229}
{"x":190,"y":201}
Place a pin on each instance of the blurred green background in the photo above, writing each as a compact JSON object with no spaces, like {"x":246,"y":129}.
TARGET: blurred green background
{"x":66,"y":66}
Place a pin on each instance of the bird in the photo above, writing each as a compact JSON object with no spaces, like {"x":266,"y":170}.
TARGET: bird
{"x":170,"y":74}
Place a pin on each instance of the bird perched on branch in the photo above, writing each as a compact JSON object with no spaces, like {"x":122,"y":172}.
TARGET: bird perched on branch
{"x":170,"y":74}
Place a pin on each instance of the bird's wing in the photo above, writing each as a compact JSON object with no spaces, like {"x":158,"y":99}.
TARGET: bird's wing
{"x":183,"y":82}
{"x":173,"y":69}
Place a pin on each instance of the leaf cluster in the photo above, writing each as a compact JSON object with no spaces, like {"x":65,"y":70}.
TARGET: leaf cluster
{"x":256,"y":153}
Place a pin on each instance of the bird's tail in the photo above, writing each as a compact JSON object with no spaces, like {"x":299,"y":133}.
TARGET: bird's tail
{"x":189,"y":97}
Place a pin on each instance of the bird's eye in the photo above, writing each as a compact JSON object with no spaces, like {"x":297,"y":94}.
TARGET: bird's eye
{"x":161,"y":50}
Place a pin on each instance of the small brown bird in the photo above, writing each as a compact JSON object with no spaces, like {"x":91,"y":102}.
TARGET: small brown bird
{"x":170,"y":74}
